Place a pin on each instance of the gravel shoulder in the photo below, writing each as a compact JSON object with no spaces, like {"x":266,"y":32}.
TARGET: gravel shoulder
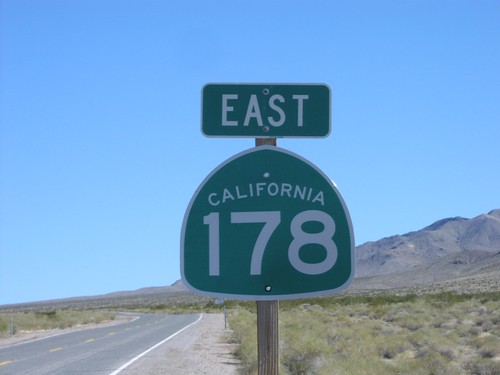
{"x":201,"y":349}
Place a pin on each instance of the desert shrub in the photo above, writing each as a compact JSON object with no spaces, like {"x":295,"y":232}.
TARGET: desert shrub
{"x":432,"y":362}
{"x":303,"y":357}
{"x":412,"y":323}
{"x":482,"y":367}
{"x":487,"y":345}
{"x":51,"y":314}
{"x":391,"y":346}
{"x":301,"y":353}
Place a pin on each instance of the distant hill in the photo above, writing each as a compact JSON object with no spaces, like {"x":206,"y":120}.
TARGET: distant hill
{"x":150,"y":297}
{"x":448,"y":249}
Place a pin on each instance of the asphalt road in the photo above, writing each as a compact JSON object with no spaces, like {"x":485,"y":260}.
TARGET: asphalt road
{"x":101,"y":350}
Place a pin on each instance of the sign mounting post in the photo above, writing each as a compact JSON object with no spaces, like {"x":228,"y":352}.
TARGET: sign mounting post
{"x":268,"y":352}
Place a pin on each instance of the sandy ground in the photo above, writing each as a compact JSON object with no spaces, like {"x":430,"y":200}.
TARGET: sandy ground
{"x":202,"y":349}
{"x":199,"y":350}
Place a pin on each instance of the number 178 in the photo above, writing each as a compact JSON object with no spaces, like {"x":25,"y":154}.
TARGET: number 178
{"x":272,"y":220}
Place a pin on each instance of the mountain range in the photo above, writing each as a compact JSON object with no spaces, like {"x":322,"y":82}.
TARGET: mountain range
{"x":453,"y":248}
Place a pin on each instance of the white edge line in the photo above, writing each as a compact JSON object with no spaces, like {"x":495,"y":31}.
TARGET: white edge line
{"x":120,"y":369}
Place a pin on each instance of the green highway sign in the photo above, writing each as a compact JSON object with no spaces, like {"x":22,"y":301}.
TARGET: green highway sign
{"x":266,"y":110}
{"x":264,"y":225}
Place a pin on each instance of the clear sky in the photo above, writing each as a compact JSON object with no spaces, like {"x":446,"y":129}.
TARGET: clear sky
{"x":100,"y":142}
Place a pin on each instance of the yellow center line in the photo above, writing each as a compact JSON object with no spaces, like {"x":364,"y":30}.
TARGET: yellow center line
{"x":55,"y":349}
{"x":112,"y":333}
{"x":5,"y":363}
{"x":89,"y":340}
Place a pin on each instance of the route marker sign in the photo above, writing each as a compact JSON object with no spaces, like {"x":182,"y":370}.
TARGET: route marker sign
{"x":267,"y":224}
{"x":266,"y":110}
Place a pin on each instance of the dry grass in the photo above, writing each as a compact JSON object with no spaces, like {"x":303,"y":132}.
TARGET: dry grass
{"x":433,"y":334}
{"x":50,"y":319}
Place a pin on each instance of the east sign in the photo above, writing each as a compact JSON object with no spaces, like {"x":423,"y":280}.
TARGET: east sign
{"x":264,"y":225}
{"x":266,"y":110}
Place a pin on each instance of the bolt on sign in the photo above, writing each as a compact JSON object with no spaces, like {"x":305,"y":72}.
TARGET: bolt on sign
{"x":266,"y":110}
{"x":265,"y":225}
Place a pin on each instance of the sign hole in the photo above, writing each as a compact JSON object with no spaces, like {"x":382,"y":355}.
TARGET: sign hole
{"x":268,"y":288}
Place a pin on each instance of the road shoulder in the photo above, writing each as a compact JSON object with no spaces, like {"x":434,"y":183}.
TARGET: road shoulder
{"x":201,"y":349}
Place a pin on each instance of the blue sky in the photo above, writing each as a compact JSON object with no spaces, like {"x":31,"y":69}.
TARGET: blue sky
{"x":100,"y":142}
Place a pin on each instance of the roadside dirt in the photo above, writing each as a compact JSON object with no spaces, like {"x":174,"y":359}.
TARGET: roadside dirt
{"x":200,"y":350}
